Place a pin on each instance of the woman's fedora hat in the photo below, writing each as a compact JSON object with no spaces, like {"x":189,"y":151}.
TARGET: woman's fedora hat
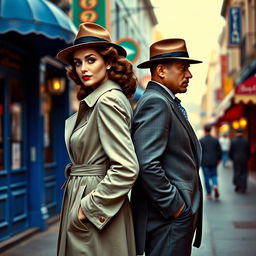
{"x":89,"y":35}
{"x":166,"y":50}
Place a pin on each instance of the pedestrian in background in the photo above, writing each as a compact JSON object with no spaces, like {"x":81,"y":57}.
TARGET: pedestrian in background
{"x":225,"y":145}
{"x":211,"y":155}
{"x":239,"y":153}
{"x":96,"y":217}
{"x":167,"y":197}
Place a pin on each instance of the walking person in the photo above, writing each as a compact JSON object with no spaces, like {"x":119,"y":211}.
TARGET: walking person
{"x":96,"y":216}
{"x":239,"y":153}
{"x":225,"y":145}
{"x":167,"y":197}
{"x":211,"y":155}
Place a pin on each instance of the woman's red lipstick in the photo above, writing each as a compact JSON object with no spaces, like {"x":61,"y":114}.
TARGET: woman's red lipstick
{"x":86,"y":77}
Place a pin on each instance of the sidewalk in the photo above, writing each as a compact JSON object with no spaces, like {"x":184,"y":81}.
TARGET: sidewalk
{"x":229,"y":225}
{"x":230,"y":222}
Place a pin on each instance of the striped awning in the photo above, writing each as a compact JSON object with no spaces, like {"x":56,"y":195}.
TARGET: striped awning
{"x":36,"y":16}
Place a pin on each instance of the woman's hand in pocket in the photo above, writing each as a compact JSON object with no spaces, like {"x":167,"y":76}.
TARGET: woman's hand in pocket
{"x":81,"y":215}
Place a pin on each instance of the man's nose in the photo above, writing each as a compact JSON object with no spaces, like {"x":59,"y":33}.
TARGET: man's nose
{"x":189,"y":74}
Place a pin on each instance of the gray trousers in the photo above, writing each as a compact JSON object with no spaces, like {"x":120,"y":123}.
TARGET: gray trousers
{"x":170,"y":237}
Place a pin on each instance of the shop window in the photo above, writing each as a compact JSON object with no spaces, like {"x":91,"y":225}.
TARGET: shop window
{"x":16,"y":122}
{"x":48,"y":129}
{"x":1,"y":125}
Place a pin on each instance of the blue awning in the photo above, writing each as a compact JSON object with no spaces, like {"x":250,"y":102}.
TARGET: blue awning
{"x":36,"y":16}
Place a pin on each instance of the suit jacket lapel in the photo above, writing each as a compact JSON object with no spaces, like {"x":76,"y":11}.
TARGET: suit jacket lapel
{"x":185,"y":123}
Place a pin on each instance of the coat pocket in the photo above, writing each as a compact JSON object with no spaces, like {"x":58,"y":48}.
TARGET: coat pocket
{"x":74,"y":222}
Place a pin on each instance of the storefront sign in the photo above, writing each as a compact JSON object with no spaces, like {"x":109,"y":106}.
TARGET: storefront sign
{"x":246,"y":91}
{"x":234,"y":21}
{"x":248,"y":87}
{"x":89,"y":11}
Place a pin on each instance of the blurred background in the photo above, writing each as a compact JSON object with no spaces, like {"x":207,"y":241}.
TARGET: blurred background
{"x":36,"y":97}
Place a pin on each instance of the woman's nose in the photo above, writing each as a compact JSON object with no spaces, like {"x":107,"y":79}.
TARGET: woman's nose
{"x":83,"y":67}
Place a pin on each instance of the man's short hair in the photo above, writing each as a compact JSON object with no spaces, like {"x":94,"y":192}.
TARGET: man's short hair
{"x":207,"y":128}
{"x":153,"y":67}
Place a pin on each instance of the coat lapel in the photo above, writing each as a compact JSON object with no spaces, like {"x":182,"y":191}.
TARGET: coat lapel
{"x":69,"y":127}
{"x":77,"y":120}
{"x":185,"y":123}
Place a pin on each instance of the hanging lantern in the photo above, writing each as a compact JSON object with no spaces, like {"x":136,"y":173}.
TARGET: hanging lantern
{"x":56,"y":85}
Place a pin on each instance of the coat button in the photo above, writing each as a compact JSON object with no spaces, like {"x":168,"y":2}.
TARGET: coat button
{"x":101,"y":219}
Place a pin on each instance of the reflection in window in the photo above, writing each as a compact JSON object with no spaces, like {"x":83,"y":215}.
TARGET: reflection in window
{"x":1,"y":124}
{"x":16,"y":111}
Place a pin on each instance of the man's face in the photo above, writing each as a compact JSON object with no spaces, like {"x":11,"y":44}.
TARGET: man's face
{"x":176,"y":75}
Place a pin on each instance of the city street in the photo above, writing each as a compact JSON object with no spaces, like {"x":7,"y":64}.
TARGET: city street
{"x":229,"y":225}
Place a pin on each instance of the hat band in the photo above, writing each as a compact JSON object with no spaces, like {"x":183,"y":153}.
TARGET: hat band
{"x":89,"y":39}
{"x":170,"y":54}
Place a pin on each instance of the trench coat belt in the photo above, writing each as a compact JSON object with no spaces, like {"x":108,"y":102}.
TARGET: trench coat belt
{"x":83,"y":170}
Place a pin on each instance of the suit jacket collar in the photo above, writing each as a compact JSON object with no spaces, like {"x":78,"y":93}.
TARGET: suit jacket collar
{"x":157,"y":87}
{"x":197,"y":148}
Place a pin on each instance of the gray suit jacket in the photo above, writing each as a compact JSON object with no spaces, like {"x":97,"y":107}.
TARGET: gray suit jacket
{"x":169,"y":156}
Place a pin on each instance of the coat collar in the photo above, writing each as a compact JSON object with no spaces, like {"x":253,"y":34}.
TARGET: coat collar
{"x":92,"y":98}
{"x":90,"y":101}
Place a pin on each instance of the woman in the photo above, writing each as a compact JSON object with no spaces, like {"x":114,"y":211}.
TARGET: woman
{"x":96,"y":217}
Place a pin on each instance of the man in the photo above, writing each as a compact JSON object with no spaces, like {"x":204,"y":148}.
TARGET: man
{"x":239,"y":153}
{"x":225,"y":145}
{"x":167,"y":197}
{"x":210,"y":158}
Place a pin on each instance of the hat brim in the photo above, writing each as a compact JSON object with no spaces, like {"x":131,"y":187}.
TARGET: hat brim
{"x":150,"y":63}
{"x":66,"y":55}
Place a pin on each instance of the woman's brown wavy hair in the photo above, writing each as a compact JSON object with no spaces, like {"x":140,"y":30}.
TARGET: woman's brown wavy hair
{"x":121,"y":72}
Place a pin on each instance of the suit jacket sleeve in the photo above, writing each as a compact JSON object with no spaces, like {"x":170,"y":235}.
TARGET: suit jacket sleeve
{"x":113,"y":119}
{"x":151,"y":126}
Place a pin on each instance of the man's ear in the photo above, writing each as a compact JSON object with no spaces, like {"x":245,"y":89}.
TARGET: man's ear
{"x":161,"y":71}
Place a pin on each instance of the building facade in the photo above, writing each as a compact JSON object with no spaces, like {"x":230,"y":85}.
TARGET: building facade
{"x":235,"y":105}
{"x":34,"y":103}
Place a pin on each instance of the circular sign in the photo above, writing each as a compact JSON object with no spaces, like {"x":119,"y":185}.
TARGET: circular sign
{"x":132,"y":48}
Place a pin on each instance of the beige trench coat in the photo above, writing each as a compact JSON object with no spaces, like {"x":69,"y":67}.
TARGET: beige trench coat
{"x":103,"y":169}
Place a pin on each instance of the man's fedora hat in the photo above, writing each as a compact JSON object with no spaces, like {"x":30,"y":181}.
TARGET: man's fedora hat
{"x":168,"y":49}
{"x":89,"y":35}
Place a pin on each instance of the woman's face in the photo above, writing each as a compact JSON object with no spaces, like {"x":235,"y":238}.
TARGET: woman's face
{"x":90,"y":67}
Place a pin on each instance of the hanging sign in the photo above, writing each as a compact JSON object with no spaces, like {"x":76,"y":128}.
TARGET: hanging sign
{"x":132,"y":48}
{"x":89,"y":11}
{"x":234,"y":21}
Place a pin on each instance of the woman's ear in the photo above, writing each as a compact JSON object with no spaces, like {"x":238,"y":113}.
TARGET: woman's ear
{"x":108,"y":65}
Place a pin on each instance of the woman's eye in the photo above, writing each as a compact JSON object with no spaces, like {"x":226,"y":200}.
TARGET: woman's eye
{"x":77,"y":63}
{"x":91,"y":60}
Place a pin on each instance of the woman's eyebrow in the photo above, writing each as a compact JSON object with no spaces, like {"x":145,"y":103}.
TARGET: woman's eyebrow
{"x":86,"y":56}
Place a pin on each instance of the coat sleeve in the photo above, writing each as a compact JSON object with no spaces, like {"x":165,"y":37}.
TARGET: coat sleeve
{"x":113,"y":121}
{"x":151,"y":126}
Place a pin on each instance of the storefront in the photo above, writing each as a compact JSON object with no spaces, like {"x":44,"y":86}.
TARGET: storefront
{"x":34,"y":103}
{"x":240,"y":112}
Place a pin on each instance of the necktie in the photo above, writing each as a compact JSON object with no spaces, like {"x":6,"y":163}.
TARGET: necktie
{"x":183,"y":110}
